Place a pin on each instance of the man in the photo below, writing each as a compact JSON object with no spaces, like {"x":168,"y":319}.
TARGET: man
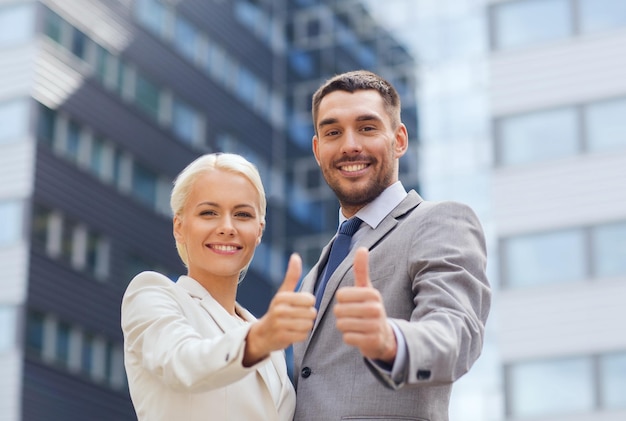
{"x":402,"y":316}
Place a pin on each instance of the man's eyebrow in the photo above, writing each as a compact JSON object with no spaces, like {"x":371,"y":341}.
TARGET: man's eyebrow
{"x":332,"y":120}
{"x":368,"y":117}
{"x":327,"y":122}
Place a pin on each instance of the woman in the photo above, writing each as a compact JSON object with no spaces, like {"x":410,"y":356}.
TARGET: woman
{"x":191,"y":351}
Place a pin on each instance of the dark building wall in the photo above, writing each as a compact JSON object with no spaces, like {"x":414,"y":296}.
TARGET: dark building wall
{"x":51,"y":395}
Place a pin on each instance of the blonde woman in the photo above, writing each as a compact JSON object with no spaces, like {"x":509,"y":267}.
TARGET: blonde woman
{"x":191,"y":351}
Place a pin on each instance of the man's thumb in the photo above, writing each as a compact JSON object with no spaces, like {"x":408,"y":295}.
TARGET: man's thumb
{"x":361,"y":268}
{"x":292,"y":276}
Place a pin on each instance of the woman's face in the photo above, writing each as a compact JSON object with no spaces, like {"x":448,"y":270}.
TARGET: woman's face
{"x":220,"y":225}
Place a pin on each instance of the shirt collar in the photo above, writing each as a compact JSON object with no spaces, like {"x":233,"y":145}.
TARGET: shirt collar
{"x":375,"y":211}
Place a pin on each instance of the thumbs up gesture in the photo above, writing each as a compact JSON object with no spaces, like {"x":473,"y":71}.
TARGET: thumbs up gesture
{"x":361,"y":315}
{"x":289,"y":318}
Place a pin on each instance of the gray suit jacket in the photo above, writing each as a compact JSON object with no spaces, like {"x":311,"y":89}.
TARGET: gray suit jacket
{"x":428,"y":261}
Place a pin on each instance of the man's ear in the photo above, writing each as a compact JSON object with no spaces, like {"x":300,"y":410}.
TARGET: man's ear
{"x":315,"y":145}
{"x":402,"y":140}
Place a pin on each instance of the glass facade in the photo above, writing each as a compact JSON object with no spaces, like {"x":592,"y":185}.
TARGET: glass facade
{"x":551,"y":134}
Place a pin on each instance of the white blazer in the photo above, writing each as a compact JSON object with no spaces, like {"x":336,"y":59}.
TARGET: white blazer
{"x":183,"y":356}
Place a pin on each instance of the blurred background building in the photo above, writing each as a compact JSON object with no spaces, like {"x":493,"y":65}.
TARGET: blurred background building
{"x":102,"y":103}
{"x":522,"y":115}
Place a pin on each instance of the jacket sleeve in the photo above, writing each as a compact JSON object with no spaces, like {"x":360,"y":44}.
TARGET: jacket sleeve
{"x":451,"y":295}
{"x":159,"y":338}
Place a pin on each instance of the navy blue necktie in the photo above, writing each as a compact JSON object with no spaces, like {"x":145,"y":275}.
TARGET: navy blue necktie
{"x":338,"y":251}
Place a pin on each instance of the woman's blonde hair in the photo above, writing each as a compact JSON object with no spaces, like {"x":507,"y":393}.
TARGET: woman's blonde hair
{"x":228,"y":162}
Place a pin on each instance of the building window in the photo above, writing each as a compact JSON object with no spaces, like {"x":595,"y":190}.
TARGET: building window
{"x":613,"y":380}
{"x":147,"y":96}
{"x":527,"y":22}
{"x":522,"y":139}
{"x":605,"y":124}
{"x":186,"y":38}
{"x":17,"y":23}
{"x":53,"y":27}
{"x":79,"y":44}
{"x":35,"y":333}
{"x":40,"y":227}
{"x":11,"y":222}
{"x":544,"y":258}
{"x":144,"y":185}
{"x":598,"y":15}
{"x":70,"y":347}
{"x":47,"y":123}
{"x":72,"y":146}
{"x":568,"y":382}
{"x":76,"y":244}
{"x":187,"y":123}
{"x":87,"y":354}
{"x":62,"y":343}
{"x":8,"y":322}
{"x":153,"y":14}
{"x":13,"y":120}
{"x":609,"y":249}
{"x":556,"y":133}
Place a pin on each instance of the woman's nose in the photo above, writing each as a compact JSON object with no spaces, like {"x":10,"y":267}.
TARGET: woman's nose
{"x":226,"y":226}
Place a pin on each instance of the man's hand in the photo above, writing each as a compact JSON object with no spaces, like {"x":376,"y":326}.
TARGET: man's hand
{"x":289,"y":318}
{"x":361,"y":315}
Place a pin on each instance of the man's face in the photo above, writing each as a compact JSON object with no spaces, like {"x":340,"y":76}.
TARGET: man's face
{"x":356,"y":147}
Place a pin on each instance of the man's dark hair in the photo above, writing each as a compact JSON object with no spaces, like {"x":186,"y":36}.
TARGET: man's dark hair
{"x":355,"y":81}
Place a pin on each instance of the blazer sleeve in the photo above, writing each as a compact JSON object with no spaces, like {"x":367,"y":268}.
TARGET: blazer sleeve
{"x":160,"y":338}
{"x":451,"y":295}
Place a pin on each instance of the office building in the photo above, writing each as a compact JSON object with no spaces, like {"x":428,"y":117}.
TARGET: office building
{"x":522,"y":106}
{"x":102,"y":103}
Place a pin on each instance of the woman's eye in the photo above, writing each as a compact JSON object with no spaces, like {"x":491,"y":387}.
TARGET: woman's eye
{"x":244,"y":215}
{"x":207,"y":213}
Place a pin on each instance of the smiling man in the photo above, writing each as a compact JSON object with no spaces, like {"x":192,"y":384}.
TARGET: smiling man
{"x":403,"y":314}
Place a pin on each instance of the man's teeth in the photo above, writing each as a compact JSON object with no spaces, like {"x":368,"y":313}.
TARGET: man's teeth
{"x":225,"y":248}
{"x":351,"y":168}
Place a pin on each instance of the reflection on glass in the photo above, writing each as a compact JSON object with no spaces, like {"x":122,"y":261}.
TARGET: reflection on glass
{"x":551,"y":387}
{"x":598,"y":15}
{"x":545,"y":258}
{"x":613,"y":380}
{"x":606,"y":125}
{"x":538,"y":136}
{"x":609,"y":249}
{"x":521,"y":23}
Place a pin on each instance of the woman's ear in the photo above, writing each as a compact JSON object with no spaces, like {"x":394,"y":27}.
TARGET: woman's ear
{"x":260,"y":236}
{"x":177,"y":229}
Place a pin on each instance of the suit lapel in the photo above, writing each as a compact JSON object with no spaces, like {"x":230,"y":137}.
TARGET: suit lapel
{"x":369,"y":241}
